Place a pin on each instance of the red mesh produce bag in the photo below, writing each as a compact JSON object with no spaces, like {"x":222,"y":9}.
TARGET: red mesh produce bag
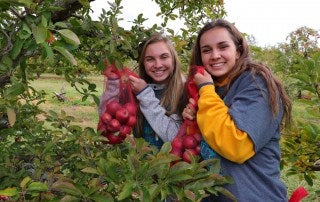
{"x":118,"y":107}
{"x":187,"y":141}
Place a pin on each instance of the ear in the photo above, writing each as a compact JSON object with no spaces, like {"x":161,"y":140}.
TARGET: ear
{"x":238,"y":54}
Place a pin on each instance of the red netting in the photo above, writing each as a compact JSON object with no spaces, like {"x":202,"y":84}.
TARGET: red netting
{"x":187,"y":141}
{"x":118,"y":107}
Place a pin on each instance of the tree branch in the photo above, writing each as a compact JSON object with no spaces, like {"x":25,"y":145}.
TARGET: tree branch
{"x":69,"y":7}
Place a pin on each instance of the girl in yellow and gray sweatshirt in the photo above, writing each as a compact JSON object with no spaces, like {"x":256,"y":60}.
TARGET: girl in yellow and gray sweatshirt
{"x":240,"y":109}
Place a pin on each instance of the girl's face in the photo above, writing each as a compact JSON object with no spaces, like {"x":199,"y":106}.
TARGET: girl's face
{"x":158,"y":62}
{"x":218,"y":52}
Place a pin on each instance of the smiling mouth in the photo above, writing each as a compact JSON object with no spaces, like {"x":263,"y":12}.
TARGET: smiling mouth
{"x":220,"y":64}
{"x":159,"y":72}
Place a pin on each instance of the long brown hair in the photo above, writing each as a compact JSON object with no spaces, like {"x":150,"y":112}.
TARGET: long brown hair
{"x":243,"y":63}
{"x":174,"y":86}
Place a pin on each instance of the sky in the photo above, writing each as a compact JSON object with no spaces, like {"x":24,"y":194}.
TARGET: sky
{"x":269,"y":21}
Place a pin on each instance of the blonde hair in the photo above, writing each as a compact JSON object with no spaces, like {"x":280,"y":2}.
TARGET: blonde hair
{"x":174,"y":86}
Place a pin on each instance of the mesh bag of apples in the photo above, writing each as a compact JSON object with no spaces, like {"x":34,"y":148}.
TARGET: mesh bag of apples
{"x":187,"y":141}
{"x":118,"y":107}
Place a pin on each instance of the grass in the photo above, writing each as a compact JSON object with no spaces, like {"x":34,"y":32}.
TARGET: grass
{"x":84,"y":112}
{"x":294,"y":182}
{"x":86,"y":115}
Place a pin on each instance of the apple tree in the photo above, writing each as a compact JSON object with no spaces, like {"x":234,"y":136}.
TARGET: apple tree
{"x":65,"y":161}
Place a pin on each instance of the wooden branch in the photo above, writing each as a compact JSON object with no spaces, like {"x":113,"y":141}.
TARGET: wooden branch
{"x":61,"y":96}
{"x":4,"y":80}
{"x":4,"y":122}
{"x":8,"y":46}
{"x":69,"y":8}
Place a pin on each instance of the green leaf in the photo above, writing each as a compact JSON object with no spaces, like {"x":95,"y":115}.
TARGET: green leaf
{"x":6,"y":60}
{"x":103,"y":197}
{"x":27,"y":3}
{"x":66,"y":54}
{"x":49,"y":52}
{"x":61,"y":24}
{"x":26,"y":32}
{"x":146,"y":194}
{"x":37,"y":186}
{"x":92,"y":86}
{"x":180,"y":167}
{"x":39,"y":33}
{"x":67,"y":188}
{"x":24,"y":182}
{"x":166,"y":147}
{"x":90,"y":170}
{"x":126,"y":191}
{"x":85,"y":3}
{"x":69,"y":37}
{"x":17,"y":48}
{"x":9,"y":191}
{"x":180,"y":177}
{"x":308,"y":179}
{"x":15,"y":89}
{"x":96,"y":99}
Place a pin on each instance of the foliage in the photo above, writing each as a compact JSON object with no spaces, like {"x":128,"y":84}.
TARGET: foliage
{"x":65,"y":160}
{"x":297,"y":64}
{"x":305,"y":141}
{"x":308,"y":74}
{"x":71,"y":163}
{"x":303,"y":42}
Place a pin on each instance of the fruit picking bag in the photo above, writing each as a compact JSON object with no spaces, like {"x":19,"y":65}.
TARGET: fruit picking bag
{"x":118,"y":106}
{"x":187,"y":141}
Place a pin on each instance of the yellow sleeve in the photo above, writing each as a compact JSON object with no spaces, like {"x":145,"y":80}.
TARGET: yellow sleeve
{"x":219,"y":130}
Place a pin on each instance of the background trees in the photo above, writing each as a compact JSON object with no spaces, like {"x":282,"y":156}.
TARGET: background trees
{"x":60,"y":37}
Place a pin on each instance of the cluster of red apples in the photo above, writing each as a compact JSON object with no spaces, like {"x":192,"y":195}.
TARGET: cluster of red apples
{"x":117,"y":121}
{"x":188,"y":144}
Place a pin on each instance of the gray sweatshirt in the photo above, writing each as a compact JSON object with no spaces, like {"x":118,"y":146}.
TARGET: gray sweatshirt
{"x":166,"y":127}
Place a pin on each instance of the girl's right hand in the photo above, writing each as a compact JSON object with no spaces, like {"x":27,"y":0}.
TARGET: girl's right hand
{"x":189,"y":112}
{"x":137,"y":84}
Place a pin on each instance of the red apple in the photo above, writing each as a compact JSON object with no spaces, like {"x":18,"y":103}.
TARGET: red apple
{"x":192,"y":129}
{"x":125,"y":130}
{"x":4,"y":198}
{"x":177,"y":152}
{"x":177,"y":143}
{"x":112,"y":107}
{"x":198,"y":137}
{"x":198,"y":149}
{"x":122,"y":115}
{"x":114,"y":125}
{"x":114,"y":139}
{"x":101,"y":126}
{"x":131,"y":107}
{"x":106,"y":118}
{"x":186,"y":156}
{"x":132,"y":120}
{"x":189,"y":141}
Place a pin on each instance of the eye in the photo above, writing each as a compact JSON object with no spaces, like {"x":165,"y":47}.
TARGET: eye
{"x":148,"y":59}
{"x":206,"y":50}
{"x":223,"y":46}
{"x":164,"y":56}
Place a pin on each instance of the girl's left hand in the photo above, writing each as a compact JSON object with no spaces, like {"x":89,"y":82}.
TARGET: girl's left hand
{"x":137,"y":84}
{"x":202,"y":78}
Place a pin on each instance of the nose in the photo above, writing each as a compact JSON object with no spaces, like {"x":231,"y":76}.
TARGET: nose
{"x":215,"y":54}
{"x":157,"y":63}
